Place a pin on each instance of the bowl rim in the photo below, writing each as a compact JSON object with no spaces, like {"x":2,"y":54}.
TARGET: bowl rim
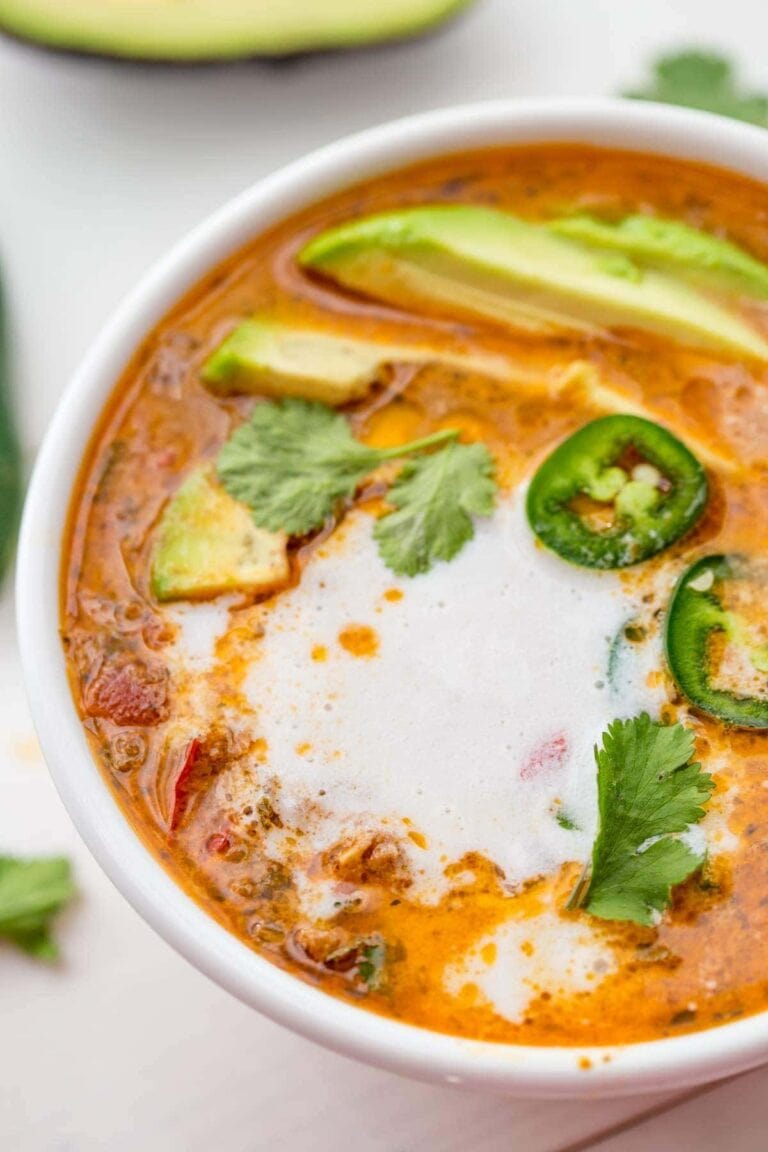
{"x":661,"y":1064}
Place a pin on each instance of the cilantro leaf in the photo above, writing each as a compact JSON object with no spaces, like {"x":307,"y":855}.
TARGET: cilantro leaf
{"x":706,"y":81}
{"x":648,"y":793}
{"x":435,"y":498}
{"x":32,"y":891}
{"x":294,"y":462}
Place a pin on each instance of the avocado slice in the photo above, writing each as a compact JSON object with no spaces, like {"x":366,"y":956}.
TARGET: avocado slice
{"x":207,"y":544}
{"x":273,"y":358}
{"x":216,"y":29}
{"x":671,"y":244}
{"x":462,"y":260}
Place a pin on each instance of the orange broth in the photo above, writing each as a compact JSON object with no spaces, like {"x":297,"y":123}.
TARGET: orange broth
{"x":707,"y":961}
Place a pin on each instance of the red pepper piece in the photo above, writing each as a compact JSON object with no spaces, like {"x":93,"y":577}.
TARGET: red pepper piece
{"x":548,"y":756}
{"x":181,"y":787}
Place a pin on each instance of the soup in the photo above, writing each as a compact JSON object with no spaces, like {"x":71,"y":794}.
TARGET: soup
{"x":412,"y":595}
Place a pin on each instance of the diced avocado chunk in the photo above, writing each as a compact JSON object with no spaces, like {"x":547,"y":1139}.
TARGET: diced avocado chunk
{"x":671,"y":244}
{"x":463,"y":260}
{"x":274,"y":358}
{"x":207,"y":544}
{"x":216,"y":29}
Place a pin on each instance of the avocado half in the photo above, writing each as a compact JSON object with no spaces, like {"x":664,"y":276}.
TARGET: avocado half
{"x":196,"y":30}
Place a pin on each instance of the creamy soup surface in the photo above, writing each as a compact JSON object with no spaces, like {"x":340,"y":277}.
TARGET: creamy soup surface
{"x":387,"y":783}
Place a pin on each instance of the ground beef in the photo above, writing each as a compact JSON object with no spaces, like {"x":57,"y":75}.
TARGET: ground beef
{"x":369,"y":858}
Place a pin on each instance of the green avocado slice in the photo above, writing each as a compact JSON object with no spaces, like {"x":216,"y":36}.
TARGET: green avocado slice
{"x":207,"y":544}
{"x":462,"y":260}
{"x":671,"y":244}
{"x":273,"y":358}
{"x":216,"y":29}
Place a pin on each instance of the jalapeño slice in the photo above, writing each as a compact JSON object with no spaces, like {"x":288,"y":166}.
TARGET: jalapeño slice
{"x":616,"y":492}
{"x":698,"y":622}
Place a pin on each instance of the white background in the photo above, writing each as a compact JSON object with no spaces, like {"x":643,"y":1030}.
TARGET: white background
{"x":103,"y":166}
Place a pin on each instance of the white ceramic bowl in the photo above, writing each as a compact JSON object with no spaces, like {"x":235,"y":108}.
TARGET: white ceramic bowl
{"x":662,"y":1064}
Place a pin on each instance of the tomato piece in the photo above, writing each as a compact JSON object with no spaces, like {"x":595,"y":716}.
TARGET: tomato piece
{"x":218,"y":843}
{"x":548,"y":756}
{"x":130,"y":693}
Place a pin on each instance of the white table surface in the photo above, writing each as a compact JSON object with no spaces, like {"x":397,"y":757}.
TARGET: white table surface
{"x":124,"y":1046}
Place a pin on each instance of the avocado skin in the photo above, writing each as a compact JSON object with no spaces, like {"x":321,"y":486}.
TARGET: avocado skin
{"x":22,"y":20}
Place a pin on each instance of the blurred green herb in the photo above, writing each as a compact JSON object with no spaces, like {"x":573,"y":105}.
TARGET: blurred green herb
{"x":565,"y":821}
{"x":703,"y":80}
{"x":32,"y":892}
{"x":370,"y":968}
{"x":10,"y":458}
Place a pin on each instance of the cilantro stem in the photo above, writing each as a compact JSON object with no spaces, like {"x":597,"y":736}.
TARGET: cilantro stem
{"x":417,"y":445}
{"x":578,"y":896}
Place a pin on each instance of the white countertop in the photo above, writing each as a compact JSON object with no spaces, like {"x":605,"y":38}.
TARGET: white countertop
{"x":102,"y":166}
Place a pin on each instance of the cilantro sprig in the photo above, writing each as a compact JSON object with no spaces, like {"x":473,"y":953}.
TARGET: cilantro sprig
{"x":649,"y":791}
{"x":703,"y":80}
{"x":295,"y":462}
{"x":32,"y":892}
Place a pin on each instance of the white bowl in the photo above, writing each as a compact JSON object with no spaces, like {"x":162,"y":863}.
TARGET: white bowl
{"x":534,"y":1071}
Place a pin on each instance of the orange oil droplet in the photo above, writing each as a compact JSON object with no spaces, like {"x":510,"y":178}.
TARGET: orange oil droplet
{"x":261,"y":750}
{"x":488,"y":953}
{"x":418,"y":839}
{"x":359,"y":640}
